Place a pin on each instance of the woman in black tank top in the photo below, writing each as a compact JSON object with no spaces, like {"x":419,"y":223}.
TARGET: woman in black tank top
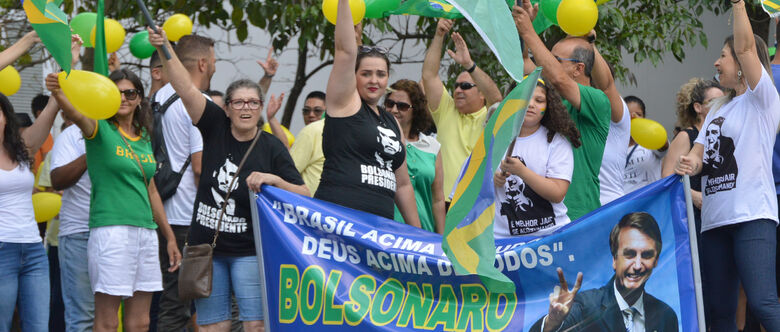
{"x":365,"y":167}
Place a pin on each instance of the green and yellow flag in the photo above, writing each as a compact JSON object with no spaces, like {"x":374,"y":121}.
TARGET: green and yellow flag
{"x":445,"y":9}
{"x":51,"y":24}
{"x":468,"y":234}
{"x":771,"y":7}
{"x":101,"y":56}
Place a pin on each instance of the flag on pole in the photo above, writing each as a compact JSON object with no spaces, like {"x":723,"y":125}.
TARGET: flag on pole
{"x":51,"y":24}
{"x":443,"y":9}
{"x":468,"y":234}
{"x":101,"y":56}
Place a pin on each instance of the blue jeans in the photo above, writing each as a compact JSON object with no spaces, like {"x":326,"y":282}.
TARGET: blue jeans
{"x":24,"y":282}
{"x":742,"y":252}
{"x":239,"y":275}
{"x":76,"y":290}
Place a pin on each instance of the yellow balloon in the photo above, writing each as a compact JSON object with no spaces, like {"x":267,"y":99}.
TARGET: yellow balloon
{"x":648,"y":133}
{"x":330,"y":9}
{"x":290,"y":137}
{"x":46,"y":206}
{"x":115,"y":35}
{"x":10,"y":81}
{"x":177,"y":26}
{"x":92,"y":94}
{"x":577,"y":17}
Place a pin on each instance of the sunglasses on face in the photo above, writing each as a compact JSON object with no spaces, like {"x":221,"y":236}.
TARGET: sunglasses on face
{"x":567,"y":59}
{"x":464,"y":85}
{"x":131,"y":94}
{"x":373,"y":49}
{"x":315,"y":110}
{"x":403,"y":107}
{"x":253,"y":104}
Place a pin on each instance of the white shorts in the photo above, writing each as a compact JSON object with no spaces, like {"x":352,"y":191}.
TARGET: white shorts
{"x":123,"y":260}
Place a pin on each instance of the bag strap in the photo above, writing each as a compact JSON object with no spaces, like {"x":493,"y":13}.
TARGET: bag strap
{"x":232,"y":182}
{"x":628,"y":157}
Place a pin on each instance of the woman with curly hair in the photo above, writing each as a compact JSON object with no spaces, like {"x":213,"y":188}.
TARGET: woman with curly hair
{"x":693,"y":103}
{"x":423,"y":156}
{"x":125,"y":207}
{"x":533,"y":180}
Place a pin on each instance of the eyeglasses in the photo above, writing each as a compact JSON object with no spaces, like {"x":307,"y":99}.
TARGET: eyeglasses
{"x":464,"y":85}
{"x":403,"y":107}
{"x":372,"y":49}
{"x":315,"y":110}
{"x":567,"y":59}
{"x":131,"y":94}
{"x":253,"y":104}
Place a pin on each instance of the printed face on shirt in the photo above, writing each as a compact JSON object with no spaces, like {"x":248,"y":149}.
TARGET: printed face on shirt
{"x":389,"y":140}
{"x":634,"y":260}
{"x":127,"y":106}
{"x":536,"y":108}
{"x":712,"y":134}
{"x":371,"y":78}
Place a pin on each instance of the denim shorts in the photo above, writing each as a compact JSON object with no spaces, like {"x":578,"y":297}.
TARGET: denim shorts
{"x":232,"y":275}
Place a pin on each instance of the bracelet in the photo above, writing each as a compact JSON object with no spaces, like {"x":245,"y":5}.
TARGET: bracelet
{"x":268,"y":76}
{"x":735,"y":2}
{"x":473,"y":67}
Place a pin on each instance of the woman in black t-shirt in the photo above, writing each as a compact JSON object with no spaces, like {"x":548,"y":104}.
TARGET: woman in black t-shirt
{"x":225,"y":141}
{"x":365,"y":167}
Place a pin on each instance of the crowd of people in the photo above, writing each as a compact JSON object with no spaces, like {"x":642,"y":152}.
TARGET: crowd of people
{"x":174,"y":167}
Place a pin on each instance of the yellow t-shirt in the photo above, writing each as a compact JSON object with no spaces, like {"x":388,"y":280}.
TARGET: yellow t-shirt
{"x":457,"y":134}
{"x":307,"y":154}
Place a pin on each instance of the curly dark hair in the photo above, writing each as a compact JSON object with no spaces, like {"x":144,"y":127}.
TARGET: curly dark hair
{"x":142,"y":119}
{"x":12,"y":137}
{"x":421,"y":118}
{"x":556,"y":119}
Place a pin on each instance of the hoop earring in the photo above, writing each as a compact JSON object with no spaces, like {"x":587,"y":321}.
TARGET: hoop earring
{"x":739,"y":74}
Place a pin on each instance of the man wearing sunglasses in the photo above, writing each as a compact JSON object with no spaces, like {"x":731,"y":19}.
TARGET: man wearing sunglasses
{"x":306,"y":152}
{"x":183,"y":142}
{"x":459,"y":117}
{"x":568,"y":68}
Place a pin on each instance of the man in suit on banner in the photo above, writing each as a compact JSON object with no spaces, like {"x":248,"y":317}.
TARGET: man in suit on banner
{"x":622,"y":305}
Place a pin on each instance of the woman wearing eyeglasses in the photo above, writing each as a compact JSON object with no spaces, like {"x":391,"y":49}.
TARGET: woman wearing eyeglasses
{"x":423,"y":157}
{"x":533,"y":179}
{"x":365,"y":166}
{"x":227,"y":136}
{"x":125,"y":208}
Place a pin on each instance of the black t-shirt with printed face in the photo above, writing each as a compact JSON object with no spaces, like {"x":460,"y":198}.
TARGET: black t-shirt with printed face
{"x":221,"y":155}
{"x":362,"y":152}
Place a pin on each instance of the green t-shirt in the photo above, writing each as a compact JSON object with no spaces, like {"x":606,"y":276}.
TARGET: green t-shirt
{"x":592,"y":119}
{"x":421,"y":164}
{"x":119,"y":195}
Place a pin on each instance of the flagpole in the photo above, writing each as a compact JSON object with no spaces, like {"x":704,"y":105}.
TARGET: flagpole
{"x":150,"y":23}
{"x":694,"y":252}
{"x":259,"y":251}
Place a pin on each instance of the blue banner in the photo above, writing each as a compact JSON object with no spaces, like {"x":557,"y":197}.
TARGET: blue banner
{"x":333,"y":268}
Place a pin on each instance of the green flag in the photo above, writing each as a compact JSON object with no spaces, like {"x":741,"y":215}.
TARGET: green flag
{"x":771,"y":7}
{"x":468,"y":234}
{"x":443,"y":9}
{"x":51,"y":24}
{"x":101,"y":57}
{"x":493,"y":21}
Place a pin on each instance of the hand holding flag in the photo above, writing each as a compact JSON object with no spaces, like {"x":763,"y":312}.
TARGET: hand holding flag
{"x":51,"y":24}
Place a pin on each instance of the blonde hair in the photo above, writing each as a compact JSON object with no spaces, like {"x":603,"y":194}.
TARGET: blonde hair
{"x":685,"y":117}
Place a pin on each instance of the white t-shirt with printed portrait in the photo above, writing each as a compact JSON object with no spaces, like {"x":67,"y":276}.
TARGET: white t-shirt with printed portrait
{"x":738,"y":138}
{"x":519,"y":209}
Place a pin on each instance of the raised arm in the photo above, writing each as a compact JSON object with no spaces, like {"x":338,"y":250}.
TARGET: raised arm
{"x":9,"y":55}
{"x":343,"y":99}
{"x":274,"y":104}
{"x":553,"y":70}
{"x":193,"y":99}
{"x":602,"y":78}
{"x":484,"y":83}
{"x":35,"y":135}
{"x":745,"y":45}
{"x":431,"y":83}
{"x":270,"y":65}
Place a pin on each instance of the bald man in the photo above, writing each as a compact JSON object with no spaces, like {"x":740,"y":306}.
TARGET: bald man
{"x":567,"y":67}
